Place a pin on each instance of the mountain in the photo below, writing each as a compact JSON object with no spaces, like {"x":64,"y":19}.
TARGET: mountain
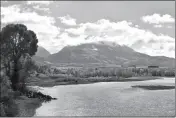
{"x":107,"y":53}
{"x":42,"y":52}
{"x":41,"y":55}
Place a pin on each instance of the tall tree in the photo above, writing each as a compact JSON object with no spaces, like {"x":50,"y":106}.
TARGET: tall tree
{"x":16,"y":41}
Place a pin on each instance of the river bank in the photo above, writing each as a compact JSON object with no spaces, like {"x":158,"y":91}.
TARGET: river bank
{"x":28,"y":101}
{"x":50,"y":81}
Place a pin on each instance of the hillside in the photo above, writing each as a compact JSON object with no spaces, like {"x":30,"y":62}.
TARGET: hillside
{"x":41,"y":55}
{"x":107,"y":53}
{"x":42,"y":52}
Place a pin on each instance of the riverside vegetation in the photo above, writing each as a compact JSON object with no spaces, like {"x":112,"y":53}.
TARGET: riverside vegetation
{"x":47,"y":75}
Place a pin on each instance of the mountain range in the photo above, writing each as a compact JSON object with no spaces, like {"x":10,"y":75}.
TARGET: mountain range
{"x":103,"y":53}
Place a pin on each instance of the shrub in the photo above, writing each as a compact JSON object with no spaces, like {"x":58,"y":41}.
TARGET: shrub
{"x":8,"y":105}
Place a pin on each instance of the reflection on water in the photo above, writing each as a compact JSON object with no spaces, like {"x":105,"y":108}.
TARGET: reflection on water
{"x":109,"y":99}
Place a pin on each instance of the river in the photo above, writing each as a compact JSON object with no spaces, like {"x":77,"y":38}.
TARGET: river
{"x":109,"y":99}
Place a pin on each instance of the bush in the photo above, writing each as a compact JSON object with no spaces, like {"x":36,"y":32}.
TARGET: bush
{"x":41,"y":96}
{"x":8,"y":105}
{"x":170,"y":74}
{"x":10,"y":108}
{"x":2,"y":111}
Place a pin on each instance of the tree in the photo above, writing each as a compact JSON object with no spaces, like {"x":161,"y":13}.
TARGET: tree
{"x":16,"y":41}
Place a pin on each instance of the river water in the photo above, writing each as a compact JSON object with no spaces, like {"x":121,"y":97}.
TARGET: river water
{"x":109,"y":99}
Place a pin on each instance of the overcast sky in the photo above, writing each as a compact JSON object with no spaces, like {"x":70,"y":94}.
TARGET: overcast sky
{"x":145,"y":26}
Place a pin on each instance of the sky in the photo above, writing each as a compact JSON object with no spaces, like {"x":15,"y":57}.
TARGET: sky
{"x":145,"y":26}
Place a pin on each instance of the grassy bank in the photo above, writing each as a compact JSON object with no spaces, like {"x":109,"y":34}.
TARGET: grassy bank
{"x":46,"y":81}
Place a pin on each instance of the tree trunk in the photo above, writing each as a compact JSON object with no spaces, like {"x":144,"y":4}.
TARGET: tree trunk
{"x":8,"y":69}
{"x":15,"y":76}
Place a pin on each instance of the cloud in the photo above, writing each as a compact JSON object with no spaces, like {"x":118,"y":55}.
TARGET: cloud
{"x":100,"y":28}
{"x":67,"y":20}
{"x":37,"y":7}
{"x":9,"y":9}
{"x":41,"y":6}
{"x":5,"y":1}
{"x":162,"y":26}
{"x":169,"y":26}
{"x":14,"y":14}
{"x":172,"y":48}
{"x":157,"y":26}
{"x":137,"y":26}
{"x":39,"y":2}
{"x":157,"y":19}
{"x":43,"y":26}
{"x":124,"y":33}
